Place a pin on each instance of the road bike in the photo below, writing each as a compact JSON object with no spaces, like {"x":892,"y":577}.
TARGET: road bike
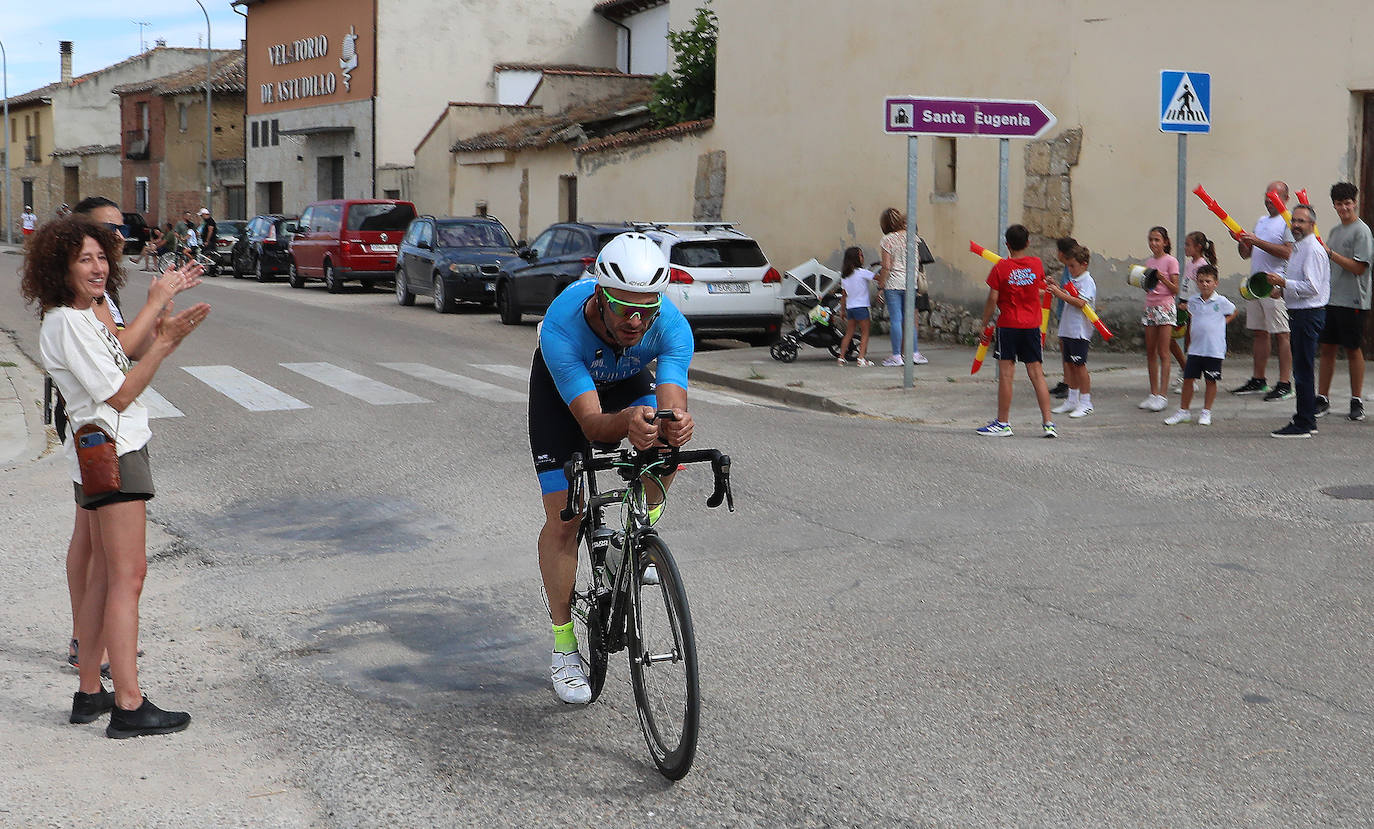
{"x":630,"y":596}
{"x":173,"y":259}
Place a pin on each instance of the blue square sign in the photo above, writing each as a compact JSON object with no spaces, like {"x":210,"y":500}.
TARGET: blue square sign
{"x":1185,"y":101}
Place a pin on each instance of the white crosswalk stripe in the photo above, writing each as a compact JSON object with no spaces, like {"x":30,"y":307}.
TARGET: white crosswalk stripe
{"x":704,"y":395}
{"x":515,"y":372}
{"x":159,"y":406}
{"x":353,"y":384}
{"x":449,"y":380}
{"x":247,"y":391}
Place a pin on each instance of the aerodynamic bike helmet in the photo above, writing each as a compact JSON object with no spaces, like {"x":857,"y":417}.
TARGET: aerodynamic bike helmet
{"x":632,"y":262}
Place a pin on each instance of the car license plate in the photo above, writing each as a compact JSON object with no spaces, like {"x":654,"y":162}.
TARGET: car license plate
{"x":727,"y":287}
{"x":383,"y":248}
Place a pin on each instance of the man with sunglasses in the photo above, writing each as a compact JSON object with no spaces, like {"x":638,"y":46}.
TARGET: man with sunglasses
{"x":590,"y":381}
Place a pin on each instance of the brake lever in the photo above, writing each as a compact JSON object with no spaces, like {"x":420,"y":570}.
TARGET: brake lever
{"x":721,"y":468}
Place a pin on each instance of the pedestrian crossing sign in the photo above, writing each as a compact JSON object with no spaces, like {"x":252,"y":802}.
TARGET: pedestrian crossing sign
{"x":1185,"y":101}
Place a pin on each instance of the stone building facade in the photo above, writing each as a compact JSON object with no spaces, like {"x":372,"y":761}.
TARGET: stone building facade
{"x":163,"y":142}
{"x":62,"y":133}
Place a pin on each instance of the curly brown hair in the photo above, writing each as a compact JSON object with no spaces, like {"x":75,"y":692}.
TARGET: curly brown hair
{"x":52,"y":249}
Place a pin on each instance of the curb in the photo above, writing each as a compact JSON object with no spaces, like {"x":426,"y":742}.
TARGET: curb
{"x":790,"y":396}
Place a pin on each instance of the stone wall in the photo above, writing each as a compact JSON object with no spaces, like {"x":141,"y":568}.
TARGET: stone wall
{"x":1047,"y":207}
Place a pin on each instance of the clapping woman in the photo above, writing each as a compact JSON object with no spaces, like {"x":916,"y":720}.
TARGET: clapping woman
{"x":70,"y":264}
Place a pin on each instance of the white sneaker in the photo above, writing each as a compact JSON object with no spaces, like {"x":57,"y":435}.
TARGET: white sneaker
{"x":918,"y":359}
{"x":1160,"y":402}
{"x":1146,"y":403}
{"x":894,"y":360}
{"x":1177,"y":386}
{"x":570,"y":678}
{"x":1083,"y":410}
{"x":1065,"y":407}
{"x":1180,"y":416}
{"x":1204,"y":419}
{"x":650,"y":575}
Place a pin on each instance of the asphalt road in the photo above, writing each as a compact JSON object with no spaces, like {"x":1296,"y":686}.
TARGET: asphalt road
{"x":901,"y":625}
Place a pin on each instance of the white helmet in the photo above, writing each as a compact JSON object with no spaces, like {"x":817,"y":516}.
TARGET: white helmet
{"x":632,"y":262}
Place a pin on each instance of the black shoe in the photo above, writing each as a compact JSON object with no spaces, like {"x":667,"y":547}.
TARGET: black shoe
{"x":1060,"y":391}
{"x":1323,"y":405}
{"x":1255,"y":385}
{"x":147,"y":719}
{"x":1292,"y":430}
{"x":89,"y":707}
{"x":1356,"y":409}
{"x":1281,"y":391}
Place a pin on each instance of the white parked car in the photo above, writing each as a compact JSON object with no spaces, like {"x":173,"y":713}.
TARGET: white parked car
{"x":720,"y":280}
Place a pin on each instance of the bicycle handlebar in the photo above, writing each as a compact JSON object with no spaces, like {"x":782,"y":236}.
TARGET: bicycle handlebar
{"x":631,"y":464}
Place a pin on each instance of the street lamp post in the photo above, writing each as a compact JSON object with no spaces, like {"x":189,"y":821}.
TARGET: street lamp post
{"x":5,"y":69}
{"x":209,"y":128}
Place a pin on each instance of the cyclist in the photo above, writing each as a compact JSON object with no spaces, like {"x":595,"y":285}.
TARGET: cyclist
{"x":590,"y":381}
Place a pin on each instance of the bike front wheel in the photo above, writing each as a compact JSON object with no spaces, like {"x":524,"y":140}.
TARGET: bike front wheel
{"x":663,"y":663}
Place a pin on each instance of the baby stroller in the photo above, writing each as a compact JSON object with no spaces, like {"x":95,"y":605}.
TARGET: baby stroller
{"x":815,"y":300}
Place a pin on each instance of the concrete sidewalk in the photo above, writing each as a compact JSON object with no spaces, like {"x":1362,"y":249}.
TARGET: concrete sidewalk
{"x":945,"y":394}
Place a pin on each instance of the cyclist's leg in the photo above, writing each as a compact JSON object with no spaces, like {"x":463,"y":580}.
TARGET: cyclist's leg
{"x":554,"y":437}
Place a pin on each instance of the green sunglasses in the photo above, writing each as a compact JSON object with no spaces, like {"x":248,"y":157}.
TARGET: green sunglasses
{"x":621,"y":308}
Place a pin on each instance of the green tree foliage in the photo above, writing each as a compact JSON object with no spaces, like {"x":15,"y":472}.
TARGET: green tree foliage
{"x":688,"y":93}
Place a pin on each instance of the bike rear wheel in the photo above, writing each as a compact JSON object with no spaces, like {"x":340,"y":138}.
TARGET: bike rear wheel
{"x":663,"y":663}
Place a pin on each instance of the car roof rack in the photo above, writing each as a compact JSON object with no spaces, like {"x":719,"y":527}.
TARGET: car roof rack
{"x":702,"y":226}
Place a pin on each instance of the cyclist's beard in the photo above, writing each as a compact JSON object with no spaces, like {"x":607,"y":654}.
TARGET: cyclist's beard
{"x":610,"y":329}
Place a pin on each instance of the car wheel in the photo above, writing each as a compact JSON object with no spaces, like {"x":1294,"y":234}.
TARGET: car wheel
{"x":259,"y":271}
{"x":293,"y":276}
{"x":332,"y":283}
{"x":403,"y":294}
{"x":505,"y":306}
{"x":442,"y":303}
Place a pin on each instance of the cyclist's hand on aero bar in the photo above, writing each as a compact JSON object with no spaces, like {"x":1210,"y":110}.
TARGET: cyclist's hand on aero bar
{"x":642,"y":429}
{"x":678,"y":431}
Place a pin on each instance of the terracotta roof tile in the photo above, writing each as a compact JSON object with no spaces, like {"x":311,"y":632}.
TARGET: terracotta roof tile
{"x":628,"y":139}
{"x":541,"y":131}
{"x":566,"y":69}
{"x":621,"y":9}
{"x":227,"y":74}
{"x":89,"y":149}
{"x":46,"y":91}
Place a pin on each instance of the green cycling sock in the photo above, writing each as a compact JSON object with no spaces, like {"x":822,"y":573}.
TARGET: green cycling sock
{"x":654,"y":512}
{"x":564,"y":640}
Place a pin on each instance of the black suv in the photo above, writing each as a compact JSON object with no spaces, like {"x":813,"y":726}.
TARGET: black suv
{"x":557,"y":258}
{"x":262,"y":248}
{"x":452,"y":260}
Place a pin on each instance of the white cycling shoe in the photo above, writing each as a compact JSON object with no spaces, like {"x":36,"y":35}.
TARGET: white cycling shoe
{"x":650,"y":575}
{"x":570,"y":678}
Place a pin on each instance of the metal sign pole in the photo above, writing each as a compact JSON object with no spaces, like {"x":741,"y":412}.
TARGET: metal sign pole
{"x":1003,"y":167}
{"x":1182,"y":192}
{"x":912,"y":263}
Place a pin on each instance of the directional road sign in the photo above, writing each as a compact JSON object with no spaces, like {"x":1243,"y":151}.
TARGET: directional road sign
{"x":978,"y":117}
{"x":1185,"y":101}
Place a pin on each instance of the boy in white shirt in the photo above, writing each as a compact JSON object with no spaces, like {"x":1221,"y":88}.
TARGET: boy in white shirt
{"x":1075,"y":332}
{"x":1209,"y":312}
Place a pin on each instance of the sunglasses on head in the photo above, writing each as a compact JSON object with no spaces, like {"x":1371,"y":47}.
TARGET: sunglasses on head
{"x":646,"y":310}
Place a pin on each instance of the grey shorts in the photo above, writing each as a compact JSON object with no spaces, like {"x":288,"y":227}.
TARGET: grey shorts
{"x":135,"y":482}
{"x":1268,"y":314}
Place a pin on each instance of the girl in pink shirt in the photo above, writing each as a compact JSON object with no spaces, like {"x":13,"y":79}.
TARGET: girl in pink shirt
{"x":1159,"y":318}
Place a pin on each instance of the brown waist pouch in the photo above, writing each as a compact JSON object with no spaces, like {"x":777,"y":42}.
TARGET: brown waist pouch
{"x":98,"y":460}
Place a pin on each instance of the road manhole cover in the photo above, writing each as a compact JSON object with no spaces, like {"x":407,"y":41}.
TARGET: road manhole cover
{"x":1353,"y":492}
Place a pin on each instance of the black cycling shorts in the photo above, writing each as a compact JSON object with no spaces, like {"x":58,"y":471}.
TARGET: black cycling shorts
{"x":555,"y":434}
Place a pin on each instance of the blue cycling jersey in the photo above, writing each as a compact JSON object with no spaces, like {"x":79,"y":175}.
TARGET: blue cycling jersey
{"x":580,"y":361}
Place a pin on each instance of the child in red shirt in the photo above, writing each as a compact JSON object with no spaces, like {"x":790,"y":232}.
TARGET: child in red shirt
{"x":1014,"y":288}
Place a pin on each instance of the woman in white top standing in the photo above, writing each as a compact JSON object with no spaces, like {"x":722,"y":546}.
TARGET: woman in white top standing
{"x":69,"y":266}
{"x":892,"y":278}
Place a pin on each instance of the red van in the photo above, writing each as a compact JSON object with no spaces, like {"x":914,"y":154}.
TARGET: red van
{"x":348,"y":240}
